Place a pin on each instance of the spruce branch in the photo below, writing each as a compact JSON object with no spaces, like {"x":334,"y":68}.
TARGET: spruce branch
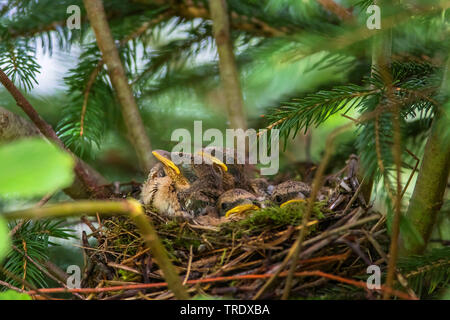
{"x":430,"y":270}
{"x":381,"y":59}
{"x":86,"y":92}
{"x":316,"y":108}
{"x":306,"y":43}
{"x":243,"y":21}
{"x":30,"y":245}
{"x":133,"y":121}
{"x":168,"y":60}
{"x":88,"y":86}
{"x":18,"y":61}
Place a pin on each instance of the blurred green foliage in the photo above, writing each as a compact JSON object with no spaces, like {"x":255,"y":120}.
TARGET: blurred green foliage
{"x":14,"y":295}
{"x":32,"y":167}
{"x":5,"y":242}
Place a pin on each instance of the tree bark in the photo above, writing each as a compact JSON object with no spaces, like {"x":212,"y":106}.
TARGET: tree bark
{"x":13,"y":127}
{"x":130,"y":112}
{"x":228,"y":71}
{"x":428,"y":194}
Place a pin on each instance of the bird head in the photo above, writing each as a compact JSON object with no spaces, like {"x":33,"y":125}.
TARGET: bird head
{"x":170,"y":168}
{"x":209,"y":157}
{"x":235,"y":174}
{"x":236,"y":202}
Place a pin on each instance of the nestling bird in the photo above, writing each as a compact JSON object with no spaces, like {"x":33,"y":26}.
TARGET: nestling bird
{"x":183,"y":190}
{"x":236,"y":175}
{"x":236,"y":201}
{"x":160,"y":190}
{"x":290,"y":191}
{"x":261,"y":188}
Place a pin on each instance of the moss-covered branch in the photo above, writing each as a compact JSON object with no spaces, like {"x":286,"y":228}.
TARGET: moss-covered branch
{"x":131,"y":208}
{"x":428,"y":194}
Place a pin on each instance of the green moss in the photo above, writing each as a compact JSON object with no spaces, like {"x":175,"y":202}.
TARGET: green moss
{"x":291,"y":214}
{"x":128,"y":276}
{"x":271,"y":218}
{"x":180,"y":240}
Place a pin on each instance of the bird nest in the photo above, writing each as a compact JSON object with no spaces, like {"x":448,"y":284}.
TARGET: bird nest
{"x":236,"y":258}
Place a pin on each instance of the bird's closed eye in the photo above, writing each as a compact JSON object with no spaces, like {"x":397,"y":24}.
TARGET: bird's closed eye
{"x":278,"y":199}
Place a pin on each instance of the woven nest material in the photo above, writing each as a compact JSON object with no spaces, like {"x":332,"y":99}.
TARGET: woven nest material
{"x":234,"y":259}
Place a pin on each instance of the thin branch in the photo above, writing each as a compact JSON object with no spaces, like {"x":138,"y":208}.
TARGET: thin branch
{"x":229,"y":73}
{"x":86,"y":92}
{"x":383,"y":65}
{"x":412,"y":172}
{"x":316,"y":185}
{"x":133,"y":121}
{"x":337,"y":9}
{"x":296,"y":247}
{"x":43,"y":270}
{"x":314,"y":273}
{"x":9,"y":286}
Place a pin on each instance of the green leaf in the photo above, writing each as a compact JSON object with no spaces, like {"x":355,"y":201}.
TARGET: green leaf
{"x":4,"y":238}
{"x":33,"y":167}
{"x":13,"y":295}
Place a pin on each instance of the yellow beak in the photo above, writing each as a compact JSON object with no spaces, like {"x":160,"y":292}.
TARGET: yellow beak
{"x":241,"y":209}
{"x":292,"y":201}
{"x":214,"y":160}
{"x":167,"y":162}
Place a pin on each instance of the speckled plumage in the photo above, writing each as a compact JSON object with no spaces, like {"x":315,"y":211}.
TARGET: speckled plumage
{"x":289,"y":190}
{"x":159,"y":192}
{"x":187,"y":193}
{"x":233,"y":198}
{"x":238,"y":175}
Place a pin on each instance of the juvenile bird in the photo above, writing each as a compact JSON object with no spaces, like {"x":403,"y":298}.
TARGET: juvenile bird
{"x":236,"y":202}
{"x":184,"y":190}
{"x":261,"y":188}
{"x":205,"y":185}
{"x":162,"y":186}
{"x":290,"y":191}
